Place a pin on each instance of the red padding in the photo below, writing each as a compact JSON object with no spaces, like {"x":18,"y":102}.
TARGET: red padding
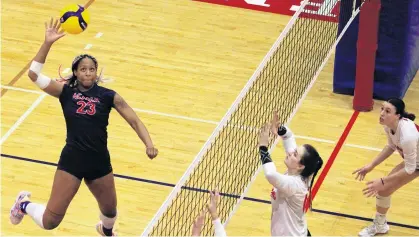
{"x":366,"y":50}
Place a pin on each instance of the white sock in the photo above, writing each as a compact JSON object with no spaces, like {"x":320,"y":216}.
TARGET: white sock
{"x":380,"y":218}
{"x":36,"y":211}
{"x":107,"y":222}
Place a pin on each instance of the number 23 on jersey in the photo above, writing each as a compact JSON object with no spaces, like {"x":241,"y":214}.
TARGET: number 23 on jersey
{"x":86,"y":107}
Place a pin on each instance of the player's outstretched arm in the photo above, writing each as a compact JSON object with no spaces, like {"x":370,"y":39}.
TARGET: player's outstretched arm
{"x":288,"y":138}
{"x":212,"y":209}
{"x":198,"y":224}
{"x":131,"y":117}
{"x":52,"y":34}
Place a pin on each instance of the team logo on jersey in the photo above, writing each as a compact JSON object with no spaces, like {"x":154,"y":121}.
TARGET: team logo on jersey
{"x":79,"y":96}
{"x":88,"y":107}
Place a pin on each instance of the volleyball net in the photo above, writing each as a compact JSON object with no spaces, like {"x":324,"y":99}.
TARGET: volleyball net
{"x":229,"y":160}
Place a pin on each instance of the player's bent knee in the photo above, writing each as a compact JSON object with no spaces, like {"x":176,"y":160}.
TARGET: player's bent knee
{"x":108,"y":210}
{"x":383,"y":201}
{"x":110,"y":214}
{"x":51,"y":220}
{"x":53,"y":223}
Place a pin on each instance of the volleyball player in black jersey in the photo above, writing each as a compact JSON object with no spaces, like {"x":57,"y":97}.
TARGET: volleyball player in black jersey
{"x":86,"y":107}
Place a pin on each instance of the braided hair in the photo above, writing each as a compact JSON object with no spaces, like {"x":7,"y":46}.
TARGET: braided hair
{"x":312,"y":164}
{"x":72,"y":81}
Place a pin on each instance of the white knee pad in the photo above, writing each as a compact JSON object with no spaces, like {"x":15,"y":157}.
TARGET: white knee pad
{"x":383,"y":202}
{"x":107,"y":222}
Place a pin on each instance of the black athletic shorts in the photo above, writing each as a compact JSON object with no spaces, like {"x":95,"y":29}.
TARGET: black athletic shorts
{"x":87,"y":165}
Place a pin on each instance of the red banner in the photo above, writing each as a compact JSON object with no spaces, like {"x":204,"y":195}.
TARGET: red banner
{"x":327,"y":10}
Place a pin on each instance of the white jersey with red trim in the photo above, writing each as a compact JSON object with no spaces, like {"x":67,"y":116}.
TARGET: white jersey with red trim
{"x":406,"y":141}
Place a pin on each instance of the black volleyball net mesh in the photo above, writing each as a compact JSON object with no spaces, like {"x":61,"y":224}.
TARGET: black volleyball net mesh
{"x":230,"y":158}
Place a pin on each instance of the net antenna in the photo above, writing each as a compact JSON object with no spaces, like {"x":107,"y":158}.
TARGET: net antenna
{"x":229,"y":160}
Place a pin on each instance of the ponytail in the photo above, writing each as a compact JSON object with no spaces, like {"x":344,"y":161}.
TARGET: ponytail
{"x":310,"y":196}
{"x":409,"y":116}
{"x":312,"y":164}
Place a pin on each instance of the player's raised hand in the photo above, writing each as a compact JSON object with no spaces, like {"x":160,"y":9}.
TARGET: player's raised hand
{"x":52,"y":31}
{"x":213,"y":204}
{"x":198,"y":224}
{"x":275,"y":123}
{"x":264,"y":135}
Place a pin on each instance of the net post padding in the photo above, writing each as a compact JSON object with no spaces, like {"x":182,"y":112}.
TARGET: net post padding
{"x":354,"y":14}
{"x":366,"y":51}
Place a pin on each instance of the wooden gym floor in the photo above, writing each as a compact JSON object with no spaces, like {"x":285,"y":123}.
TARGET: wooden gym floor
{"x":180,"y":64}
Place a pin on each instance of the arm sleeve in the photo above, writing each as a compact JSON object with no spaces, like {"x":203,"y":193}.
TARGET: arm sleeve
{"x":284,"y":183}
{"x":219,"y":228}
{"x":288,"y":139}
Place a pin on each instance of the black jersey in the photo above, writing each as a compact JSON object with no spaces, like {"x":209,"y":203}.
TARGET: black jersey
{"x":86,"y":116}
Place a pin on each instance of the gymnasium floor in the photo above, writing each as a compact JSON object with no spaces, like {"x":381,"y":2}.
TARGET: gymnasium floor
{"x":179,"y":64}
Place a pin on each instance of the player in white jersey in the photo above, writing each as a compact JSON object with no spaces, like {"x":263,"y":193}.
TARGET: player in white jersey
{"x":403,"y":136}
{"x":290,"y":189}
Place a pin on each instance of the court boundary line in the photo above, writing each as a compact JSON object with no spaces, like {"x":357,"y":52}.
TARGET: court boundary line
{"x":332,"y":158}
{"x":208,"y":121}
{"x":360,"y":218}
{"x":22,"y":118}
{"x":17,"y":77}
